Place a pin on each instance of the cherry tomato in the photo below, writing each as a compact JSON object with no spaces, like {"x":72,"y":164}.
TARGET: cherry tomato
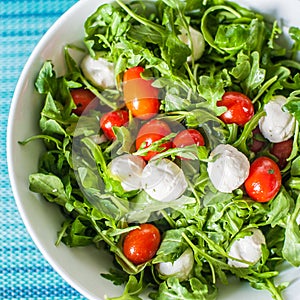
{"x":264,"y":180}
{"x":141,"y":244}
{"x":282,"y":151}
{"x":112,"y":119}
{"x":150,"y":132}
{"x":239,"y":108}
{"x":83,"y":98}
{"x":188,"y":137}
{"x":140,"y":97}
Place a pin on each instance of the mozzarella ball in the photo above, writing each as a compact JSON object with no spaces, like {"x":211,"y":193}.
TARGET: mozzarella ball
{"x":277,"y":126}
{"x":128,"y":170}
{"x":228,"y":169}
{"x":195,"y":41}
{"x":247,"y":248}
{"x":163,"y":180}
{"x":181,"y":267}
{"x":99,"y":72}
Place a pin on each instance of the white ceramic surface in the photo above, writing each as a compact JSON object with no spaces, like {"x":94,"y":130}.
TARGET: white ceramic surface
{"x":81,"y":267}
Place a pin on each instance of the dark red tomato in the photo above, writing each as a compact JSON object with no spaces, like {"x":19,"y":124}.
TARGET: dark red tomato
{"x":239,"y":108}
{"x":257,"y":144}
{"x":264,"y":180}
{"x":282,"y":151}
{"x":140,"y":97}
{"x":83,"y":98}
{"x":112,"y":119}
{"x":188,"y":137}
{"x":141,"y":244}
{"x":150,"y":132}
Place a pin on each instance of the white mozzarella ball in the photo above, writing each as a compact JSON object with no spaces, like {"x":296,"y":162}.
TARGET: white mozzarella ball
{"x":128,"y":170}
{"x":99,"y":72}
{"x":247,"y":248}
{"x":194,"y":39}
{"x":277,"y":126}
{"x":163,"y":180}
{"x":181,"y":267}
{"x":228,"y":169}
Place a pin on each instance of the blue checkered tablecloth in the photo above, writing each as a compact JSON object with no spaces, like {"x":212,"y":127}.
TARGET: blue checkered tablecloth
{"x":24,"y":273}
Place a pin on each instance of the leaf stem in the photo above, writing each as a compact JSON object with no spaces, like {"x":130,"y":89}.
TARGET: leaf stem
{"x":113,"y":247}
{"x":142,"y":20}
{"x":168,"y":218}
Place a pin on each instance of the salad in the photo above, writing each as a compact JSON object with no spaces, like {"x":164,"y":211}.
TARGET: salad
{"x":174,"y":145}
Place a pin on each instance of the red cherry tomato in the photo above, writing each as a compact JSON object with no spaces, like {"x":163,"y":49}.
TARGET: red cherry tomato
{"x":188,"y":137}
{"x":112,"y":119}
{"x":141,"y":244}
{"x":83,"y":98}
{"x":239,"y":108}
{"x":282,"y":151}
{"x":264,"y":180}
{"x":140,"y":97}
{"x":150,"y":132}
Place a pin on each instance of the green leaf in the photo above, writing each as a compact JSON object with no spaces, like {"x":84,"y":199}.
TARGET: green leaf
{"x":242,"y":68}
{"x":49,"y":186}
{"x":212,"y":90}
{"x":256,"y":76}
{"x":295,"y":35}
{"x":295,"y":169}
{"x":280,"y":207}
{"x":117,"y":276}
{"x":132,"y":289}
{"x":291,"y":248}
{"x":77,"y":234}
{"x":51,"y":127}
{"x":172,"y":289}
{"x":46,"y":81}
{"x":232,"y":38}
{"x":172,"y":246}
{"x":293,"y":104}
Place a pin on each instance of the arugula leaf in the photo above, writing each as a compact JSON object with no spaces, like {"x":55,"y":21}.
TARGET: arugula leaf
{"x":117,"y":276}
{"x":172,"y":246}
{"x":173,"y":289}
{"x":77,"y":234}
{"x":293,"y":104}
{"x":280,"y":207}
{"x":132,"y":289}
{"x":50,"y":186}
{"x":295,"y":33}
{"x":291,"y":248}
{"x":256,"y":76}
{"x":46,"y":81}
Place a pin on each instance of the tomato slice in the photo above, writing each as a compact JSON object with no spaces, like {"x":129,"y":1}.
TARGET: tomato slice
{"x":83,"y":99}
{"x":141,"y":244}
{"x":140,"y":97}
{"x":264,"y":180}
{"x":239,"y":108}
{"x":112,"y":119}
{"x":150,"y":132}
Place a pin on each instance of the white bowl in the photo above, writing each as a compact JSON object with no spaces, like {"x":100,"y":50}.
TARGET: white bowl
{"x":81,"y":267}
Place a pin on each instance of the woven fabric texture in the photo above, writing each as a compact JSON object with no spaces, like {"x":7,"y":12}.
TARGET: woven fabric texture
{"x":24,"y":273}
